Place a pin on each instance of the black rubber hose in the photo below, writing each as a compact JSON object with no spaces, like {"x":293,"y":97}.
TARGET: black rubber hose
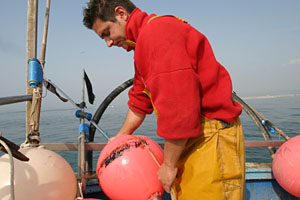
{"x":97,"y":116}
{"x":103,"y":106}
{"x":101,"y":109}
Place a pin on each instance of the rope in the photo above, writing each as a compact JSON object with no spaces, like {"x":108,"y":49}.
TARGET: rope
{"x":81,"y":136}
{"x":172,"y":192}
{"x":44,"y":78}
{"x":33,"y":106}
{"x":33,"y":135}
{"x":11,"y":161}
{"x":79,"y":192}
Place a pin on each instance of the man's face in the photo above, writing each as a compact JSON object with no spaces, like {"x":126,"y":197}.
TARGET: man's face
{"x":112,"y":32}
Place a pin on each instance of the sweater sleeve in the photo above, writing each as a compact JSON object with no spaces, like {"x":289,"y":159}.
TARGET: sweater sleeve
{"x":177,"y":100}
{"x":138,"y":99}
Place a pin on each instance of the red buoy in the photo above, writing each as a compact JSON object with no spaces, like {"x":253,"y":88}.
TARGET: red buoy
{"x":285,"y":166}
{"x":126,"y":168}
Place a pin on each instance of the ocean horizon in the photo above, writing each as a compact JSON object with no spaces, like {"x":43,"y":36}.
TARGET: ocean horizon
{"x":61,"y":125}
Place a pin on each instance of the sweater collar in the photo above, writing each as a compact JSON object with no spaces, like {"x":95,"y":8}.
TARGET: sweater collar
{"x":135,"y":23}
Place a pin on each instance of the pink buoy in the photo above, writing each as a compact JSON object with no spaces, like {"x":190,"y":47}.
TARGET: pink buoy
{"x":127,"y":170}
{"x":286,"y":164}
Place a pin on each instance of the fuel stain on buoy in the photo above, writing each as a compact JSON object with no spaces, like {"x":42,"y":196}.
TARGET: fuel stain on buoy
{"x":118,"y":152}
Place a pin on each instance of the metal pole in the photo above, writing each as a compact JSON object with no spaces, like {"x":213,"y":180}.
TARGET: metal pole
{"x":37,"y":91}
{"x":256,"y":120}
{"x":32,"y":13}
{"x":81,"y":148}
{"x":45,"y":34}
{"x":15,"y":99}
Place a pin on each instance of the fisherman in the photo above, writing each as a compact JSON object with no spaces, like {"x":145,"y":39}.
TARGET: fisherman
{"x":178,"y":76}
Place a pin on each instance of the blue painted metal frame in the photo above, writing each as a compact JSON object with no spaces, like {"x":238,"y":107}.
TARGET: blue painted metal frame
{"x":260,"y":184}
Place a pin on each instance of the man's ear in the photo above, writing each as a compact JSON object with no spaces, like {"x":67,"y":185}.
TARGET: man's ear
{"x":121,"y":12}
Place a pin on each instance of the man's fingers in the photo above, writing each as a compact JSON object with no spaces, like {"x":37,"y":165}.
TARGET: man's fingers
{"x":111,"y":139}
{"x":167,"y":188}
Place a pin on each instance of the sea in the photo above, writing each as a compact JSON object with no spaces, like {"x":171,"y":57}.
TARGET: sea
{"x":61,"y":125}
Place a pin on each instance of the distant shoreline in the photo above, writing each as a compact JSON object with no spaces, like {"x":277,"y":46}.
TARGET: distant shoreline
{"x":271,"y":96}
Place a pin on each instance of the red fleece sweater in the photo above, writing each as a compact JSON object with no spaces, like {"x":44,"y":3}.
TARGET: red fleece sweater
{"x":177,"y":74}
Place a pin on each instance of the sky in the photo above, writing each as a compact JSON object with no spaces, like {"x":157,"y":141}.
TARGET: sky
{"x":256,"y":41}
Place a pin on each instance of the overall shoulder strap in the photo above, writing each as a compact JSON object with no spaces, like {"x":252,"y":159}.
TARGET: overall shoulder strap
{"x":132,"y":44}
{"x":152,"y":18}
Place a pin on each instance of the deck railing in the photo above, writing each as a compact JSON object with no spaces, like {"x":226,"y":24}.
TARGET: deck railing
{"x":100,"y":146}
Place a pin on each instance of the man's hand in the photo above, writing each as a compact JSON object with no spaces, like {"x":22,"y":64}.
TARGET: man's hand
{"x":112,"y":138}
{"x":166,"y":174}
{"x":168,"y":170}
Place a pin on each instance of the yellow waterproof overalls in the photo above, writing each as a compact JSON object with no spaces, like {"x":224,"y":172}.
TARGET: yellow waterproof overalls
{"x":212,"y":166}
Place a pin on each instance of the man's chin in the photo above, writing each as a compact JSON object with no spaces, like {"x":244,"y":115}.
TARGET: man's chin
{"x":128,"y":48}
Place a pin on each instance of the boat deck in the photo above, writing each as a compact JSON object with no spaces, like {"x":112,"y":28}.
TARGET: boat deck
{"x":260,"y":184}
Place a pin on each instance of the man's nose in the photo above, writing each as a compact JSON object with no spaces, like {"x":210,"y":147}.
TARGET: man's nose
{"x":109,"y":42}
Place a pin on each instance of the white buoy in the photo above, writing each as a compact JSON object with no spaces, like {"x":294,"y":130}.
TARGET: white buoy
{"x":46,"y":175}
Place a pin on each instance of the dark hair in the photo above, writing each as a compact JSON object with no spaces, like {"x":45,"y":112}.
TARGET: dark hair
{"x":104,"y":10}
